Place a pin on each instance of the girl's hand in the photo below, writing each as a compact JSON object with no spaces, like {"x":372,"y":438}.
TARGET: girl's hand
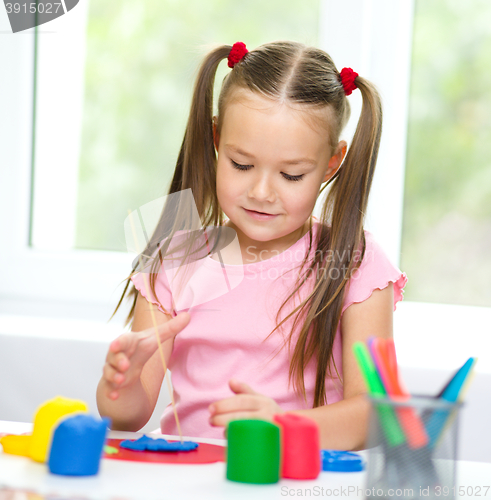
{"x":130,"y":351}
{"x":245,"y":404}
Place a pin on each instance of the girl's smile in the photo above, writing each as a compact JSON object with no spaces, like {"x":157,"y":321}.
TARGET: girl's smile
{"x":260,"y":215}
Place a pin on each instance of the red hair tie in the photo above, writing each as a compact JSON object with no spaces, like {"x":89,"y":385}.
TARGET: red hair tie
{"x":348,"y":77}
{"x":237,"y":52}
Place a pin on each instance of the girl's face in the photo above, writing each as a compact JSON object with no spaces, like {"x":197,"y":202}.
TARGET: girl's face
{"x":272,"y":160}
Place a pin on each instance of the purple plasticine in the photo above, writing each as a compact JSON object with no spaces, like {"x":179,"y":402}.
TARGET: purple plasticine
{"x":160,"y":444}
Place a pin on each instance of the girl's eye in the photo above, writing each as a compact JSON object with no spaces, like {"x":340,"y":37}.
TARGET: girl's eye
{"x":240,"y":167}
{"x":293,"y":178}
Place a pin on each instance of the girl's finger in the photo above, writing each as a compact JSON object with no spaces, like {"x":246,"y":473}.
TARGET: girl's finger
{"x":223,"y":420}
{"x":124,"y":343}
{"x":113,"y":395}
{"x":112,"y":376}
{"x":174,"y":326}
{"x":168,"y":329}
{"x":240,"y":387}
{"x":119,"y":361}
{"x":241,"y":402}
{"x":116,"y":344}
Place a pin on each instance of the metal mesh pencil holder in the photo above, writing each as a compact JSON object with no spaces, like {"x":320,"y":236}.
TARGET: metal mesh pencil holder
{"x":412,"y":448}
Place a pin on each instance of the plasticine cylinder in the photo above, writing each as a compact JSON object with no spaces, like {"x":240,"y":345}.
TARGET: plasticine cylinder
{"x":77,"y":445}
{"x":46,"y":417}
{"x":301,"y":457}
{"x":253,"y":451}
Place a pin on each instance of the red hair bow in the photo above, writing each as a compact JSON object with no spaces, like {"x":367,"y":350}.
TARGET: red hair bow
{"x":237,"y":52}
{"x":348,"y":77}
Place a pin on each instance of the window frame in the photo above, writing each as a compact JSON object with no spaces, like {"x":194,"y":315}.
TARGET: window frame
{"x":360,"y":42}
{"x":49,"y":282}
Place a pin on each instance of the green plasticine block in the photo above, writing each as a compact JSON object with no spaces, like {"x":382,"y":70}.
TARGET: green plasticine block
{"x":253,"y":452}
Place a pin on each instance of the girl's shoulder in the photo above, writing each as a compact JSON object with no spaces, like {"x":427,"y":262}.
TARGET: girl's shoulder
{"x":376,"y":271}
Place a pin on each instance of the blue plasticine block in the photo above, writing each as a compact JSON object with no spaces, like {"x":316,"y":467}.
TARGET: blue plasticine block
{"x":77,"y":445}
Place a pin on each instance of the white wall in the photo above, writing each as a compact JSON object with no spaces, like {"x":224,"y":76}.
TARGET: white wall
{"x":41,"y":358}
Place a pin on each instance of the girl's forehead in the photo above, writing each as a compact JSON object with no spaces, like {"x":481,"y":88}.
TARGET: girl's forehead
{"x":260,"y":126}
{"x":317,"y":118}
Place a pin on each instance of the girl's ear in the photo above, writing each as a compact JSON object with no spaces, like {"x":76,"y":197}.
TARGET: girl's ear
{"x":336,"y":160}
{"x":216,"y":137}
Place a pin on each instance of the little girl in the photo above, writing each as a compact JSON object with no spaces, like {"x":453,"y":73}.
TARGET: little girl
{"x":281,"y":339}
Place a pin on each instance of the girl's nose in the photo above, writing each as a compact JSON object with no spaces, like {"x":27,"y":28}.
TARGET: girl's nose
{"x":262,"y":189}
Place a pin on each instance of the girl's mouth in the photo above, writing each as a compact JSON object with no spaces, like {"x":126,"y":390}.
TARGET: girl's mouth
{"x":260,"y":215}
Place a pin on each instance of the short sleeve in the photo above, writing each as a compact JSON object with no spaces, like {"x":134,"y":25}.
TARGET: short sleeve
{"x":375,"y":272}
{"x":162,"y":291}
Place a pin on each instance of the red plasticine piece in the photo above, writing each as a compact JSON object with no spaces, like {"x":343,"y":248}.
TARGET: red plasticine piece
{"x":301,"y":457}
{"x":204,"y":454}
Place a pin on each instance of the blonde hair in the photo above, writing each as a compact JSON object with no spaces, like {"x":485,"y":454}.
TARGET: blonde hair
{"x":292,"y":73}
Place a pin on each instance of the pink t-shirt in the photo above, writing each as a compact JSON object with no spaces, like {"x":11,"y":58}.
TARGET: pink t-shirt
{"x":227,"y":336}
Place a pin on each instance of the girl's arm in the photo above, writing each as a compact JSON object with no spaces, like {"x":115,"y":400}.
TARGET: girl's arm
{"x":133,"y":373}
{"x":343,"y":425}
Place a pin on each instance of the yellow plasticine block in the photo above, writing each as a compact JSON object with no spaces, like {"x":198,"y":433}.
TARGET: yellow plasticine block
{"x":16,"y":445}
{"x":45,"y":420}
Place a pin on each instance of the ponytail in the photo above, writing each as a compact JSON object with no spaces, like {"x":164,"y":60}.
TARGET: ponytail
{"x":195,"y":170}
{"x":196,"y":163}
{"x":343,"y":241}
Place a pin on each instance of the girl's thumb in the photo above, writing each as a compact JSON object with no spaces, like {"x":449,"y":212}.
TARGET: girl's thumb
{"x":172,"y":327}
{"x":240,"y":387}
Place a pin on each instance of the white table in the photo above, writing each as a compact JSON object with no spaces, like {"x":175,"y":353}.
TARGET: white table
{"x":122,"y":480}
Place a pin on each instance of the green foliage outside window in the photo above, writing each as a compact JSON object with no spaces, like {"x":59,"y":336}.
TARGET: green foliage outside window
{"x":447,"y":211}
{"x":141,"y":61}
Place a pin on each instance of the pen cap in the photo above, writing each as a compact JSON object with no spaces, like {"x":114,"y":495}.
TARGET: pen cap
{"x":300,"y":446}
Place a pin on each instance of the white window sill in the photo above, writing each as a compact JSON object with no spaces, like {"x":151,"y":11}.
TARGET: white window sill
{"x":442,"y":336}
{"x":428,"y":336}
{"x":59,"y":328}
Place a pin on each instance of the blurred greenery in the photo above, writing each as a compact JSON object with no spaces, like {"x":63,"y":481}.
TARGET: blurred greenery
{"x":447,"y":206}
{"x":141,"y":61}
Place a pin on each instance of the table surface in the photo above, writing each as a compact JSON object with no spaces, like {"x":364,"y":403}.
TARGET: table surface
{"x":121,"y":480}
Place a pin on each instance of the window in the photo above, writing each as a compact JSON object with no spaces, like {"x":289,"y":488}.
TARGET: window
{"x":141,"y":59}
{"x":447,"y":207}
{"x":109,"y":122}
